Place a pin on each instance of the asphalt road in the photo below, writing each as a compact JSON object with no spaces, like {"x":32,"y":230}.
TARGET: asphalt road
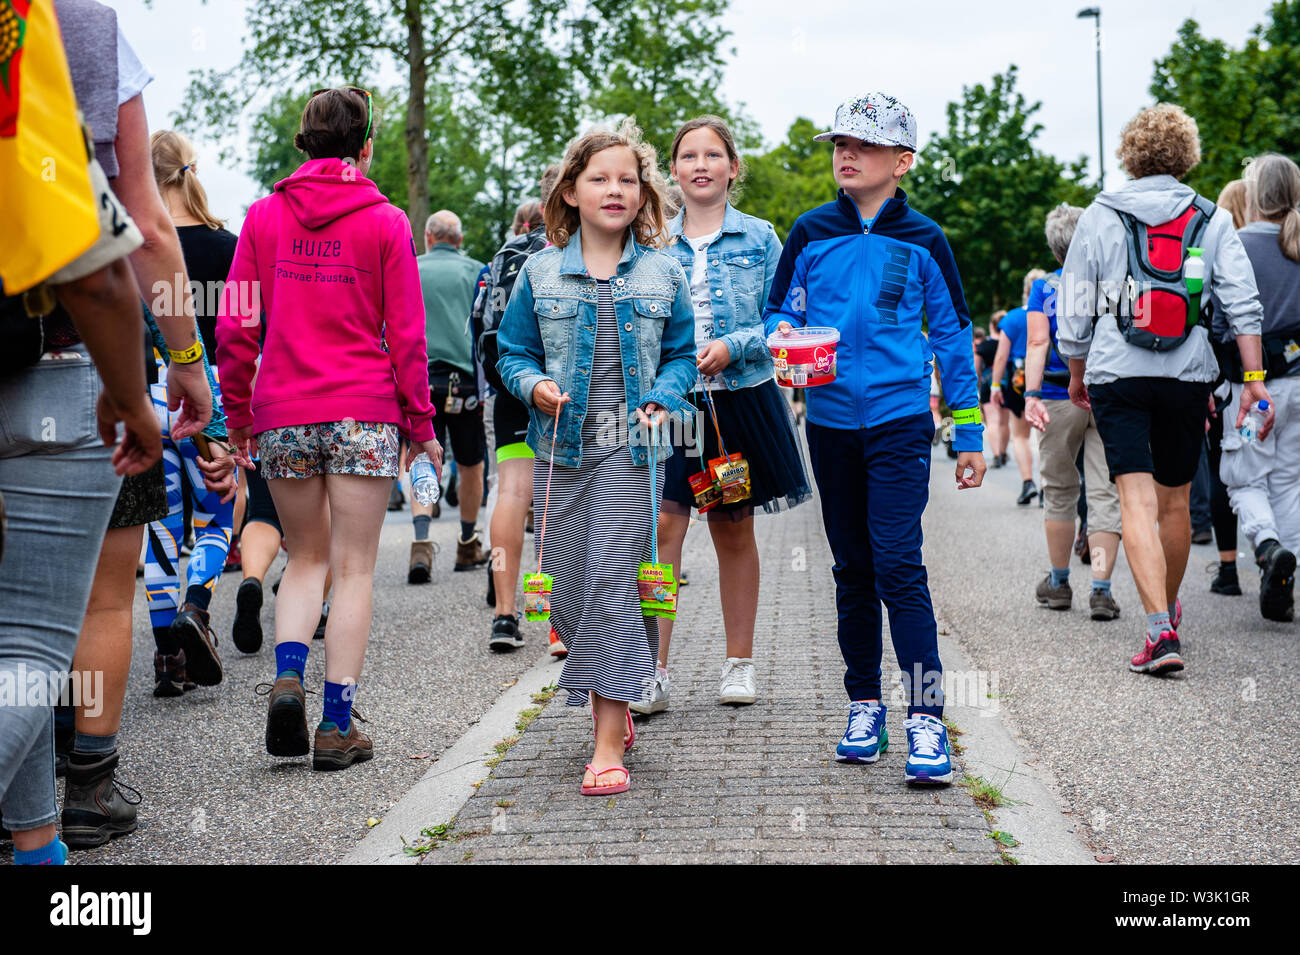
{"x":1175,"y":770}
{"x":211,"y":792}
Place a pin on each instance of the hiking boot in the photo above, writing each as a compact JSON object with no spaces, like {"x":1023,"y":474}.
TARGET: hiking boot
{"x":95,"y":807}
{"x":396,"y":498}
{"x":190,"y":629}
{"x":169,"y":677}
{"x":246,"y":631}
{"x":1102,"y":606}
{"x":469,"y":554}
{"x":1163,"y":656}
{"x":420,"y":569}
{"x":1276,"y":581}
{"x":1028,"y":491}
{"x":1225,"y":580}
{"x":335,"y":750}
{"x":1055,"y":598}
{"x":505,"y":634}
{"x":1081,"y":549}
{"x":286,"y":718}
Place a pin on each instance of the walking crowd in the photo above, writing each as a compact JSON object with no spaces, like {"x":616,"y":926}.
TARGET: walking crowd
{"x":633,"y":346}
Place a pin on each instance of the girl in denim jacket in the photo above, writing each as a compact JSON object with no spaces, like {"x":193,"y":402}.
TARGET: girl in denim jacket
{"x":600,"y":323}
{"x":731,"y":259}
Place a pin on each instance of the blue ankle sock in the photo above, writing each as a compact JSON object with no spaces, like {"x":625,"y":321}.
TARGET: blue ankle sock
{"x":338,"y":704}
{"x":95,"y":745}
{"x":291,"y":658}
{"x":1157,"y":623}
{"x":1101,"y":586}
{"x":1060,"y":575}
{"x":421,"y":522}
{"x":56,"y":853}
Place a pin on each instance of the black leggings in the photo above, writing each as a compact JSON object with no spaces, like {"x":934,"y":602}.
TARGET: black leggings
{"x":1225,"y":521}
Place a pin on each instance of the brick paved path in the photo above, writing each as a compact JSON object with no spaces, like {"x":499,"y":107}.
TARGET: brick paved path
{"x":712,"y":783}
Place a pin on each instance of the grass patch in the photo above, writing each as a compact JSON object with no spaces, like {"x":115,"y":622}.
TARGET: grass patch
{"x":504,"y":803}
{"x":986,"y":794}
{"x":467,"y":856}
{"x":545,"y":694}
{"x":501,"y":749}
{"x":430,"y":838}
{"x":953,"y":732}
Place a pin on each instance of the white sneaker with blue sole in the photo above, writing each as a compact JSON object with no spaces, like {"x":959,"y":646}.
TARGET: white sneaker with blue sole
{"x":866,"y":737}
{"x":928,"y":757}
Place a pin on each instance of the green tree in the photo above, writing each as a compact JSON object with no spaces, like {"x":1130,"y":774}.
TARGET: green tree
{"x":1244,"y":101}
{"x":658,"y":60}
{"x":296,"y":44}
{"x":990,"y":189}
{"x":783,"y":183}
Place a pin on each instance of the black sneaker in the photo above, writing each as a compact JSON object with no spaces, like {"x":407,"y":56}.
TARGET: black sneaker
{"x":247,"y":629}
{"x":1276,"y":582}
{"x":505,"y":634}
{"x":1225,"y":580}
{"x":1028,"y":491}
{"x":96,"y":807}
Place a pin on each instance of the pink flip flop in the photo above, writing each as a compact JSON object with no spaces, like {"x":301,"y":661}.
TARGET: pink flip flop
{"x":631,"y":730}
{"x":608,"y":790}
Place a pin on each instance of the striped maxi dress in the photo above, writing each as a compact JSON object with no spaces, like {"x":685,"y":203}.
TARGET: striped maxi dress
{"x":597,"y":534}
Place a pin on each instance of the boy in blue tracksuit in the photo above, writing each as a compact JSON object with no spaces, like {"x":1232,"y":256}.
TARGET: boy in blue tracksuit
{"x":878,"y":271}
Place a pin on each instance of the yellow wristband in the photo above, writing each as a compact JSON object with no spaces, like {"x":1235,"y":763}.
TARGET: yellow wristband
{"x":995,"y":387}
{"x":1253,"y":376}
{"x":966,"y":416}
{"x":189,"y":355}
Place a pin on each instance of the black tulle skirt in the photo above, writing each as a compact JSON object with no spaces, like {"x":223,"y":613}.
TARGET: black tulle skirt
{"x":756,"y":422}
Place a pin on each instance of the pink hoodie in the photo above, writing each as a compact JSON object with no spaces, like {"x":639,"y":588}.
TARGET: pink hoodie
{"x":336,"y":267}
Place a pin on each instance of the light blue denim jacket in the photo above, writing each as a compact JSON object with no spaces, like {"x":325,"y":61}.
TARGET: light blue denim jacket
{"x":742,"y":264}
{"x":549,"y":332}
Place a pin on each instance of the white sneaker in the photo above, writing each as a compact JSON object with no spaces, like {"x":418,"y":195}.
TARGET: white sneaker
{"x":737,"y":681}
{"x":658,"y":701}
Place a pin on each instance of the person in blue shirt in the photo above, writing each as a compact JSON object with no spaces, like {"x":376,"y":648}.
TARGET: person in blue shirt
{"x":1008,"y":386}
{"x":1066,"y":429}
{"x":871,"y":267}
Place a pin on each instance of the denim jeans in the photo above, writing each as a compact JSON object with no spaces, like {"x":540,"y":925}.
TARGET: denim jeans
{"x":59,"y":489}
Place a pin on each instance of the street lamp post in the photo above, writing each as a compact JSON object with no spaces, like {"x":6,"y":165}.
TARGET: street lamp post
{"x":1095,"y":13}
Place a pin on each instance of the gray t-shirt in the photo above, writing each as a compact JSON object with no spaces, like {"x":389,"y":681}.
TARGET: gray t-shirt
{"x":1278,"y":279}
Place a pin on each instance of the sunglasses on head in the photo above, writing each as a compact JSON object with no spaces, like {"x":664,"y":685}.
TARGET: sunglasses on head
{"x":370,"y":105}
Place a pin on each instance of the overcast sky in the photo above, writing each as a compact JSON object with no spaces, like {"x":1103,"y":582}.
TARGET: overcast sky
{"x":803,"y":58}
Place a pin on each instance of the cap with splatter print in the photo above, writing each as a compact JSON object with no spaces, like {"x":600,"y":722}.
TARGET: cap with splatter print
{"x":874,"y":118}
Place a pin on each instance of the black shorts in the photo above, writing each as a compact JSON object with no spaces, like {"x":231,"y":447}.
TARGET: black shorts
{"x":1013,"y":401}
{"x":468,"y":439}
{"x":510,"y":420}
{"x":261,"y":507}
{"x":1152,"y":425}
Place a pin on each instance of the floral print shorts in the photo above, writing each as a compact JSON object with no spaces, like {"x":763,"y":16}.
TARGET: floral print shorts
{"x":366,"y":448}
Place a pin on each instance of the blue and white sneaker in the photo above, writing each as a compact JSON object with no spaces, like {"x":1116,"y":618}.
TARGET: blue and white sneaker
{"x":928,"y":758}
{"x":866,"y":738}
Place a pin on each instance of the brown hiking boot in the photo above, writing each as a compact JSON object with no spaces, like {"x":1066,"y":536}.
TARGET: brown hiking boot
{"x":469,"y":554}
{"x":421,"y":566}
{"x":335,"y":750}
{"x":286,"y":718}
{"x":169,"y":678}
{"x":1057,"y":598}
{"x":191,"y":630}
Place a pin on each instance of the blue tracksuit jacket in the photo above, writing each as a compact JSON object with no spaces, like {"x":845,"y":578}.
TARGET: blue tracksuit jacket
{"x":874,"y":282}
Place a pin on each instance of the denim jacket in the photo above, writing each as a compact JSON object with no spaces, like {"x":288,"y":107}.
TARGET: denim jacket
{"x":549,"y":332}
{"x":742,"y":264}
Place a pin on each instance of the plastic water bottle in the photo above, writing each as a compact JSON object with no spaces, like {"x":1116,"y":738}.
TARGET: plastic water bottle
{"x":1194,"y":277}
{"x":424,"y":480}
{"x":1249,"y":430}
